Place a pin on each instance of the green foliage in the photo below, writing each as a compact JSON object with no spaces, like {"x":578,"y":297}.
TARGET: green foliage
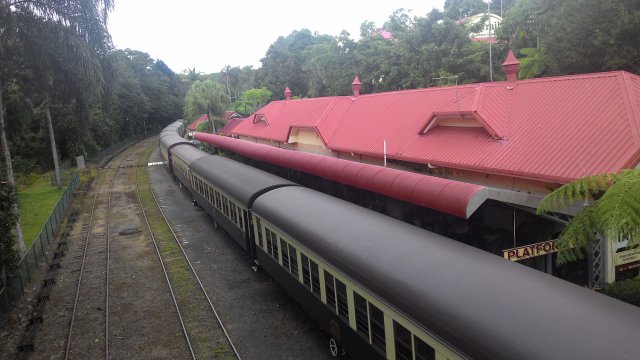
{"x":613,"y":211}
{"x":251,"y":100}
{"x":577,"y":36}
{"x":625,"y":290}
{"x":8,"y":255}
{"x":205,"y":97}
{"x":532,"y":64}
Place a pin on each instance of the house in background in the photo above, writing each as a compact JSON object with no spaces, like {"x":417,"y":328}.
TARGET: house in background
{"x":193,"y":127}
{"x":231,"y":119}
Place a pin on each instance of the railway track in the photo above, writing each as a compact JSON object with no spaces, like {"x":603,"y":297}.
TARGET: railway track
{"x":91,"y":303}
{"x":203,"y":329}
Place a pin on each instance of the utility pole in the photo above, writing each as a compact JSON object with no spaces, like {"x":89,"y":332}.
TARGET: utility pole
{"x":490,"y":58}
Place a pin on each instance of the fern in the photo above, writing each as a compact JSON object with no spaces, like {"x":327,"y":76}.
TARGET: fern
{"x":614,"y":211}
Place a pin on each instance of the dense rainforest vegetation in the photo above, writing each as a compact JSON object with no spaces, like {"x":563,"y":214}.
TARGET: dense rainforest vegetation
{"x":61,"y":78}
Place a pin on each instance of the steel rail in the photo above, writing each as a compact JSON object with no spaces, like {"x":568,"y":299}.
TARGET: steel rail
{"x":164,"y":270}
{"x":82,"y":267}
{"x":235,"y":351}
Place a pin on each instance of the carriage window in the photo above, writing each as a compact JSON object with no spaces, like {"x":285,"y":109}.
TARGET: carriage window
{"x":259,"y":232}
{"x":343,"y":305}
{"x":269,"y":244}
{"x":285,"y":254}
{"x":306,"y":275}
{"x":293,"y":259}
{"x":377,"y":328}
{"x":403,"y":342}
{"x":274,"y":240}
{"x":423,"y":350}
{"x":329,"y":288}
{"x":362,"y":317}
{"x":315,"y":278}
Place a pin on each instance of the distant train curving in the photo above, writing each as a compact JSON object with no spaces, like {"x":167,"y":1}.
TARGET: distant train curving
{"x":384,"y":289}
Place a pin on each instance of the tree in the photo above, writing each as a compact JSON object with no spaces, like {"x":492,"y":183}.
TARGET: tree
{"x":613,"y":211}
{"x":8,"y":259}
{"x":206,"y":97}
{"x":251,"y":100}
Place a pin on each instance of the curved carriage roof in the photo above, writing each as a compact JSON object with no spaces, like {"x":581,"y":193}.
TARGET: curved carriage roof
{"x":169,"y":140}
{"x":482,"y":305}
{"x":187,"y":152}
{"x":241,"y":181}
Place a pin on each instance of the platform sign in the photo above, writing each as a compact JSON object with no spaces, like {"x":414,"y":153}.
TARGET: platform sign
{"x":626,"y":257}
{"x":529,"y":251}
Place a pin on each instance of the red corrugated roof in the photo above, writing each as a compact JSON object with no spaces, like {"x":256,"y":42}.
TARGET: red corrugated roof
{"x":194,"y":125}
{"x":551,"y":129}
{"x":448,"y":196}
{"x":231,"y":124}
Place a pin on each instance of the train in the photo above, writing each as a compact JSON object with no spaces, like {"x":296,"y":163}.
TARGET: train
{"x":384,"y":289}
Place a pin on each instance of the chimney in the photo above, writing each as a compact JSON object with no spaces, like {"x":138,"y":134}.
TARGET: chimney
{"x":511,"y":66}
{"x":356,"y":86}
{"x":287,"y":93}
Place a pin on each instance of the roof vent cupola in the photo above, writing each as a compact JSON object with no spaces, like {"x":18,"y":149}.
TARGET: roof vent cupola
{"x":511,"y":66}
{"x":287,"y":93}
{"x":356,"y":86}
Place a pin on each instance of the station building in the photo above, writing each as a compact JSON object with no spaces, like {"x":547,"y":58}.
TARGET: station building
{"x":471,"y":162}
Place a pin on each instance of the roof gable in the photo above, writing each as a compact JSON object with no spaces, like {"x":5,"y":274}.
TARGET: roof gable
{"x":466,"y":111}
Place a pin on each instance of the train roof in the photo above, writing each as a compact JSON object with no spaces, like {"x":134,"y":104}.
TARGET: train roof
{"x":187,"y":152}
{"x":168,"y":140}
{"x":239,"y":180}
{"x":482,"y":305}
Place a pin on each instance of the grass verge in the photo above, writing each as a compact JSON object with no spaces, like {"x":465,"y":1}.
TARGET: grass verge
{"x":36,"y":200}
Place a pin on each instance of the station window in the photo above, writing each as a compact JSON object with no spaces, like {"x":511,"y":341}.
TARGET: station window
{"x":403,"y":342}
{"x":362,"y":316}
{"x":329,"y":288}
{"x":423,"y":350}
{"x":306,"y":274}
{"x":377,"y":328}
{"x":341,"y":296}
{"x":284,"y":247}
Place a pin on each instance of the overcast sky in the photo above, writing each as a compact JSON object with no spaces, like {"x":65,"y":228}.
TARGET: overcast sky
{"x":208,"y":35}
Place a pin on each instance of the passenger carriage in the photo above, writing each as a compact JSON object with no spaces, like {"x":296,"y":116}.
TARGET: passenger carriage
{"x":383,"y":289}
{"x":226,"y":189}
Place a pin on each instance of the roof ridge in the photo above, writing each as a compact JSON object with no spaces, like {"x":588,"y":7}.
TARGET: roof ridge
{"x":633,"y":112}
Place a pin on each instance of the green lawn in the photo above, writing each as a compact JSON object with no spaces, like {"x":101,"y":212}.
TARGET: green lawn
{"x":37,"y":200}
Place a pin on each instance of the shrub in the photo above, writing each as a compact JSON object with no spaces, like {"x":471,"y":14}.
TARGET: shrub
{"x":625,"y":290}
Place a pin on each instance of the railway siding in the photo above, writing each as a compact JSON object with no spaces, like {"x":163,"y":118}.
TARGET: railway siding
{"x":208,"y":339}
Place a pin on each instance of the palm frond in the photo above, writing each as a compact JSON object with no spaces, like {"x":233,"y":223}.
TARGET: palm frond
{"x":580,"y":190}
{"x":574,"y":240}
{"x":618,"y":212}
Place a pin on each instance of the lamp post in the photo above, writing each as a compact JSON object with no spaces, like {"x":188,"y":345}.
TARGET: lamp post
{"x":490,"y":59}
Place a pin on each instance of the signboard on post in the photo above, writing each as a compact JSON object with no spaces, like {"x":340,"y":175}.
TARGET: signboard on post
{"x":626,"y":257}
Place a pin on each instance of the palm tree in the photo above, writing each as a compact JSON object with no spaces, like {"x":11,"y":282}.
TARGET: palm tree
{"x":57,"y":39}
{"x":613,"y":211}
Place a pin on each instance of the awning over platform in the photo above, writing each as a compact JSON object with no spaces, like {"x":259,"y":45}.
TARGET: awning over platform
{"x":448,"y":196}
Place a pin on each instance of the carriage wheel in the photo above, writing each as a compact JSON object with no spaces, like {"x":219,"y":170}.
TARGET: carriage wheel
{"x":333,"y":347}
